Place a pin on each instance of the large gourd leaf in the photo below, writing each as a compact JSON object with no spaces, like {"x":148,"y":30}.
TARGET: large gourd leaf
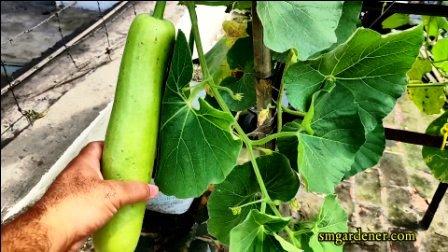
{"x":216,"y":59}
{"x":333,"y":135}
{"x":436,"y":158}
{"x":440,"y":54}
{"x":332,"y":219}
{"x":373,"y":68}
{"x":197,"y":147}
{"x":349,"y":20}
{"x":395,"y":20}
{"x":255,"y":233}
{"x":306,"y":26}
{"x":288,"y":145}
{"x":430,"y":99}
{"x":347,"y":24}
{"x":433,"y":26}
{"x":240,"y":59}
{"x":241,"y":187}
{"x":370,"y":152}
{"x":244,"y":87}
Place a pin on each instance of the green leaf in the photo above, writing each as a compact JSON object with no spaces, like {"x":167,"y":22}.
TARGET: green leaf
{"x":419,"y":68}
{"x":216,"y":59}
{"x":308,"y":27}
{"x":440,"y":55}
{"x":334,"y":134}
{"x":287,"y":246}
{"x":429,"y":100}
{"x":245,"y":87}
{"x":254,"y":233}
{"x":241,"y":187}
{"x":370,"y":152}
{"x":349,"y":21}
{"x":332,"y":218}
{"x":395,"y":20}
{"x":371,"y":66}
{"x":435,"y":158}
{"x":288,"y":145}
{"x":197,"y":147}
{"x":433,"y":25}
{"x":241,"y":55}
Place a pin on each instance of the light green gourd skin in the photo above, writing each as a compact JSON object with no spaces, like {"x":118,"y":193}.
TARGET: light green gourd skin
{"x":131,"y":138}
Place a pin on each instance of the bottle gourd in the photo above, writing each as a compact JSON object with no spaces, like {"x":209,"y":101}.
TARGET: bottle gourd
{"x":131,"y":138}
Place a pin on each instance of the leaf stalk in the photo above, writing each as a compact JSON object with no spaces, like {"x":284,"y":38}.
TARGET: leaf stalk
{"x":222,"y":104}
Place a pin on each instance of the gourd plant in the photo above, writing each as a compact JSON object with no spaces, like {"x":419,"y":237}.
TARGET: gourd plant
{"x":308,"y":60}
{"x":428,"y":84}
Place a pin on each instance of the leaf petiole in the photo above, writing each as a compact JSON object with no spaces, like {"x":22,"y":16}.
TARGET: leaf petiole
{"x":417,"y":85}
{"x":235,"y":96}
{"x":236,"y":209}
{"x":222,"y":104}
{"x":274,"y":136}
{"x":293,"y":112}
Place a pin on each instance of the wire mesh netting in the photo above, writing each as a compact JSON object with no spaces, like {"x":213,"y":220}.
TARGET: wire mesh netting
{"x":57,"y":43}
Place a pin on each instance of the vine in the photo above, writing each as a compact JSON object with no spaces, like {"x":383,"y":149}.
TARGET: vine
{"x":337,"y":104}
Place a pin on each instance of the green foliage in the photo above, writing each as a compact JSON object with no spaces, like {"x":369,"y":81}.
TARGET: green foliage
{"x":440,"y":54}
{"x":308,"y":27}
{"x":332,"y":218}
{"x":364,"y":89}
{"x":436,"y":158}
{"x":217,"y":59}
{"x":255,"y":233}
{"x":245,"y":87}
{"x":349,"y":20}
{"x":434,"y":25}
{"x":197,"y":146}
{"x":395,"y":20}
{"x":241,"y":187}
{"x":333,"y":134}
{"x":345,"y":84}
{"x":363,"y":65}
{"x":370,"y":152}
{"x":428,"y":99}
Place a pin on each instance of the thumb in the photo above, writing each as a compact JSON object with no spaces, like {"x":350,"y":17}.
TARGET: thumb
{"x":127,"y":192}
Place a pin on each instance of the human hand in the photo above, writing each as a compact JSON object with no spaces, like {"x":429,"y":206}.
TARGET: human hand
{"x":77,"y":204}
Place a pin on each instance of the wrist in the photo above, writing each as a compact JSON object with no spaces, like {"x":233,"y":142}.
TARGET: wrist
{"x":26,"y":233}
{"x":33,"y":231}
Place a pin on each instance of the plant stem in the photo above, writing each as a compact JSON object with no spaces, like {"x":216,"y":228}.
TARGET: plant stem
{"x":427,"y":85}
{"x":279,"y":107}
{"x":273,"y":136}
{"x":159,"y":9}
{"x":250,"y":203}
{"x":191,"y":41}
{"x":222,"y":104}
{"x":287,"y":229}
{"x":280,"y":93}
{"x":294,"y":112}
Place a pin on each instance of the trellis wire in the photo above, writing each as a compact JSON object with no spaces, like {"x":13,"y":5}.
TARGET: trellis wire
{"x":13,"y":38}
{"x":382,"y":14}
{"x":105,"y":31}
{"x":65,"y":46}
{"x":16,"y":101}
{"x":133,"y":8}
{"x":68,"y":45}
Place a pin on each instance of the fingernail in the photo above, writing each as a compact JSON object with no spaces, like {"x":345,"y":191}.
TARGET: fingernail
{"x":153,"y":191}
